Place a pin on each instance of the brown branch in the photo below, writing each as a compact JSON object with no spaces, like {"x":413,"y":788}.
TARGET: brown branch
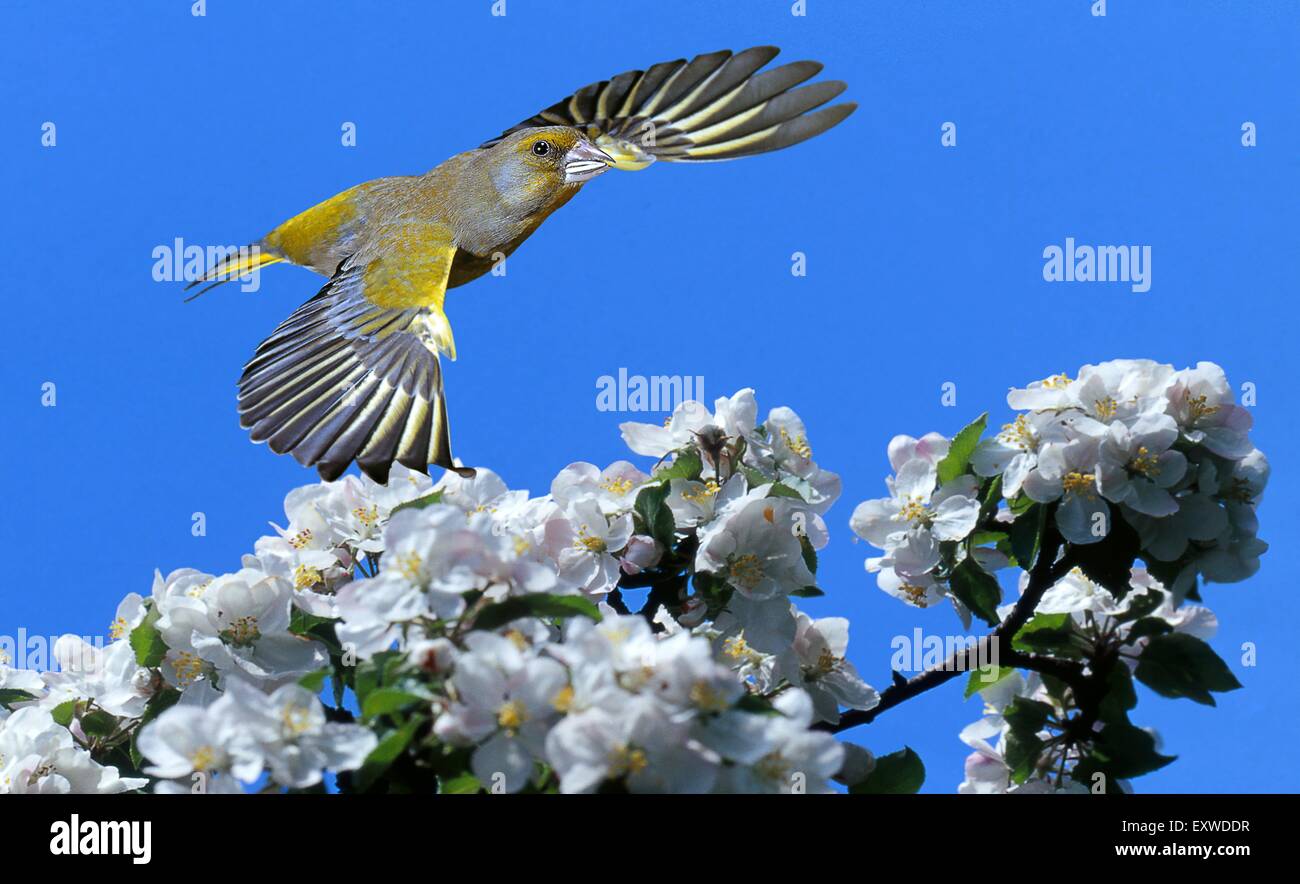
{"x":1045,"y":573}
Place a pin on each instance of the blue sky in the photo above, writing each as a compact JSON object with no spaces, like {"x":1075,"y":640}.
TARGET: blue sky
{"x":924,"y":266}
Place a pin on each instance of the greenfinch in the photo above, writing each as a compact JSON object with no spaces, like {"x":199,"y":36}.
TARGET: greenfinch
{"x":354,"y":373}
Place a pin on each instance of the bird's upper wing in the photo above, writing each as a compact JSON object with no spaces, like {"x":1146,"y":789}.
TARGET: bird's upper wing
{"x":354,"y":372}
{"x":714,"y":107}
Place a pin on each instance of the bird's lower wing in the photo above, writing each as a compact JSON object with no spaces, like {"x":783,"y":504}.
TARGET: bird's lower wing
{"x":354,"y":374}
{"x":714,"y":107}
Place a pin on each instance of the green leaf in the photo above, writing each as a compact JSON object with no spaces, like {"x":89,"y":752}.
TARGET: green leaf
{"x":386,"y":701}
{"x":1047,"y":634}
{"x":98,"y":723}
{"x":1181,"y":665}
{"x":686,"y":465}
{"x":535,"y":605}
{"x":809,"y":554}
{"x":319,"y":628}
{"x":1109,"y":562}
{"x":655,"y":516}
{"x":1140,"y":606}
{"x":976,"y":589}
{"x":64,"y":712}
{"x":1120,"y":750}
{"x":1020,"y":504}
{"x":899,"y":773}
{"x":1147,"y":626}
{"x":986,"y":677}
{"x":374,"y":673}
{"x":986,"y":538}
{"x":465,"y":784}
{"x":756,"y":705}
{"x":963,"y":445}
{"x":9,"y":696}
{"x":1022,"y":754}
{"x":302,"y":623}
{"x":157,"y":705}
{"x":780,"y":489}
{"x":1120,"y":696}
{"x":990,"y":498}
{"x":315,"y":681}
{"x":390,"y":747}
{"x":1027,"y":534}
{"x":418,"y":504}
{"x":807,"y":592}
{"x":1025,"y":718}
{"x":147,"y":642}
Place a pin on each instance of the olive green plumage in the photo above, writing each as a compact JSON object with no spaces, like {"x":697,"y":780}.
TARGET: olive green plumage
{"x":354,"y":374}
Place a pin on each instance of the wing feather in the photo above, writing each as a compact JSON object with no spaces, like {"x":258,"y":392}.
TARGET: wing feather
{"x":717,"y":106}
{"x":345,"y":379}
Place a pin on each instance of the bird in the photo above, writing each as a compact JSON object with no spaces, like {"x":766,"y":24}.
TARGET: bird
{"x":354,"y":374}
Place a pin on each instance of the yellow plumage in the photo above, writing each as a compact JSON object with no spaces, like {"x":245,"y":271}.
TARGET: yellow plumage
{"x":354,"y":374}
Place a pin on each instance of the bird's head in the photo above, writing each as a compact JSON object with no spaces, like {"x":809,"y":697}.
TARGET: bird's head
{"x":545,"y":163}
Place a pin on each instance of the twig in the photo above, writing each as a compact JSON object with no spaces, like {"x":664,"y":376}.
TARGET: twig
{"x":1045,"y":573}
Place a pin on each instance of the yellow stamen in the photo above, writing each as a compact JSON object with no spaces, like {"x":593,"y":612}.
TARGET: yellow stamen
{"x":799,"y":444}
{"x":1019,"y":434}
{"x":1198,"y":408}
{"x":563,"y":699}
{"x":916,"y":511}
{"x":512,"y":715}
{"x":710,"y":489}
{"x":704,"y":697}
{"x":1082,"y":484}
{"x":295,"y":720}
{"x":746,"y":571}
{"x":915,"y":594}
{"x":617,"y":486}
{"x":586,"y":540}
{"x":242,"y":632}
{"x":774,"y":767}
{"x":305,"y":576}
{"x":203,"y":758}
{"x":625,"y":760}
{"x":188,"y":668}
{"x":409,"y":566}
{"x":1145,"y":463}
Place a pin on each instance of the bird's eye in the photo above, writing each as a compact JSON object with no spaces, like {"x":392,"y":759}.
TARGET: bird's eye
{"x":541,"y":148}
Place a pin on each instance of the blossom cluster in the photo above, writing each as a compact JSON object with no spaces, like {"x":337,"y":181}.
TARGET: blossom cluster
{"x":1127,"y":445}
{"x":483,"y":634}
{"x":1077,"y":618}
{"x":636,"y":628}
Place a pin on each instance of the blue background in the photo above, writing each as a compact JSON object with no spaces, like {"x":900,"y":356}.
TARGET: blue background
{"x":924,"y":266}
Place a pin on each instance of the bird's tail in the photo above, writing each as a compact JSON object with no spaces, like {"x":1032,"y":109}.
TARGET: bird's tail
{"x":341,"y":380}
{"x":233,"y":265}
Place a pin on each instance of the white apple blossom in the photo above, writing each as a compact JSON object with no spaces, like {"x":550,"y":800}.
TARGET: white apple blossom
{"x":505,"y":700}
{"x":816,"y":662}
{"x":39,"y":756}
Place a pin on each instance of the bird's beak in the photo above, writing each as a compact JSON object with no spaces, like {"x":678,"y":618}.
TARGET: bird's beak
{"x":584,"y":162}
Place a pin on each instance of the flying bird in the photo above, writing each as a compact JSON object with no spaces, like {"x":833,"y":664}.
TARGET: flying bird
{"x":354,"y":373}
